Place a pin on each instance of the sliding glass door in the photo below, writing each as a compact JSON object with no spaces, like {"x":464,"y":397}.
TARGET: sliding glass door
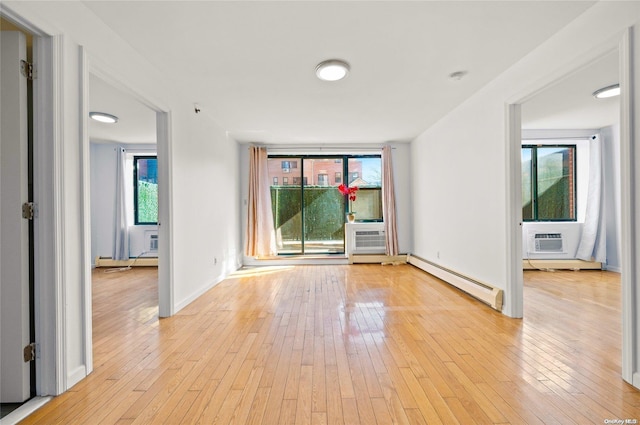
{"x":323,"y":206}
{"x":308,"y":209}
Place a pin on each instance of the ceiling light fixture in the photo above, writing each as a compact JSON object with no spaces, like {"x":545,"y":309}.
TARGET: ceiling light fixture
{"x":332,"y":70}
{"x":609,"y":91}
{"x":103,"y":117}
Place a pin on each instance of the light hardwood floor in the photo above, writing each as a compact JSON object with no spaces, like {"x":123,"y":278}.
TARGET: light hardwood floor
{"x":359,"y":344}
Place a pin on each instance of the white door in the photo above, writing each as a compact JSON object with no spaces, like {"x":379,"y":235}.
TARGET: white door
{"x":14,"y":230}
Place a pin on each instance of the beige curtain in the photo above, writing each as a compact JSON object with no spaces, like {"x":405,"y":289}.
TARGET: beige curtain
{"x":389,"y":203}
{"x":260,"y":240}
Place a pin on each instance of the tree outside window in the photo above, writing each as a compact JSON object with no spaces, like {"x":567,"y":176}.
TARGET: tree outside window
{"x":145,"y":189}
{"x":549,"y":183}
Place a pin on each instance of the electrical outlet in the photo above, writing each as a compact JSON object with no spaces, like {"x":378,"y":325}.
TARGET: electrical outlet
{"x":215,"y":260}
{"x":438,"y":254}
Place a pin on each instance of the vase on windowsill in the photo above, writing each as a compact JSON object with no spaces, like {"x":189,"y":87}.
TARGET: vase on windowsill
{"x":351,"y":217}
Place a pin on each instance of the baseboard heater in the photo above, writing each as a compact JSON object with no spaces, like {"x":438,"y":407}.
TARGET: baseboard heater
{"x":481,"y":291}
{"x":550,"y":264}
{"x":377,"y":259}
{"x":132,"y":262}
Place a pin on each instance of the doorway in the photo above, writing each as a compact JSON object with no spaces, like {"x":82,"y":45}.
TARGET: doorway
{"x":555,"y":112}
{"x":570,"y":169}
{"x":124,"y":181}
{"x":143,"y":131}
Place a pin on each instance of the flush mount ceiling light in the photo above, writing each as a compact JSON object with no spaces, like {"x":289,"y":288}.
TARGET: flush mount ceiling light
{"x":332,"y":70}
{"x":103,"y":117}
{"x":609,"y":91}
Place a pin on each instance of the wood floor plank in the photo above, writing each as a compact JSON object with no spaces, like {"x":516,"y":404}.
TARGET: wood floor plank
{"x":334,"y":399}
{"x":243,"y":409}
{"x":353,"y":344}
{"x":304,"y":401}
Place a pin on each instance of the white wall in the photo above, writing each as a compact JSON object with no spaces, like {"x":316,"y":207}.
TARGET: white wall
{"x":401,"y":156}
{"x":402,"y":178}
{"x":460,"y":166}
{"x":206,"y":212}
{"x":103,"y":195}
{"x":459,"y":192}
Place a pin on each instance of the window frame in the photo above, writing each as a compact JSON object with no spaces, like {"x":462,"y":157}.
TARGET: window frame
{"x":136,"y":221}
{"x":534,"y":183}
{"x":292,"y":162}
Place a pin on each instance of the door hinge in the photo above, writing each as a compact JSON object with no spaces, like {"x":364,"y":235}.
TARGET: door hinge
{"x":27,"y":70}
{"x":29,"y":352}
{"x":29,"y":210}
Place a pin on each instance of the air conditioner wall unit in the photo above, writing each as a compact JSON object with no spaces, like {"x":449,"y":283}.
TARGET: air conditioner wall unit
{"x":548,"y":242}
{"x":151,"y":241}
{"x":366,"y":238}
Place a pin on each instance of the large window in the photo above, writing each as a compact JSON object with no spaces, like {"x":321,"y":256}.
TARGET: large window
{"x":549,"y":183}
{"x":145,"y":189}
{"x":309,"y":214}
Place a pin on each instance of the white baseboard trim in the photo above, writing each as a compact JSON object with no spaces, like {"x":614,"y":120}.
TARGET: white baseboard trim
{"x":636,"y":380}
{"x":77,"y":375}
{"x":182,"y":304}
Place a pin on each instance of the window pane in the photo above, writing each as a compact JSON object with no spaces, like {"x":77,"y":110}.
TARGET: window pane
{"x":555,"y":183}
{"x":286,"y":203}
{"x":323,"y":207}
{"x":527,"y":184}
{"x":146,"y":202}
{"x":368,"y":204}
{"x":366,"y":174}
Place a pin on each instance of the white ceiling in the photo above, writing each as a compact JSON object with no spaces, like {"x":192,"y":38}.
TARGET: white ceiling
{"x":569,"y":104}
{"x":136,"y":122}
{"x":250,"y":65}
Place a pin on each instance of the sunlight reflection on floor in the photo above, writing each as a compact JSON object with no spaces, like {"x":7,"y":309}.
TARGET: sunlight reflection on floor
{"x":258,"y":271}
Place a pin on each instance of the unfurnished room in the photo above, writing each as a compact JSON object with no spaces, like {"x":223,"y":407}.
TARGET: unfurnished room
{"x":319,"y":212}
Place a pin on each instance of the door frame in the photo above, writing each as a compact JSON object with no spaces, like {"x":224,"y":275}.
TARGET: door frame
{"x":49,"y":294}
{"x":514,"y":285}
{"x":166,"y":305}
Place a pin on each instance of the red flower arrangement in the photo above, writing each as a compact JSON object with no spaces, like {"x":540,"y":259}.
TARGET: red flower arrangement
{"x":348,"y":191}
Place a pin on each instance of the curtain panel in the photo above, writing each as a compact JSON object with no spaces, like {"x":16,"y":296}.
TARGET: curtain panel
{"x":594,"y":231}
{"x":121,"y":235}
{"x":260,"y":237}
{"x":389,"y":203}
